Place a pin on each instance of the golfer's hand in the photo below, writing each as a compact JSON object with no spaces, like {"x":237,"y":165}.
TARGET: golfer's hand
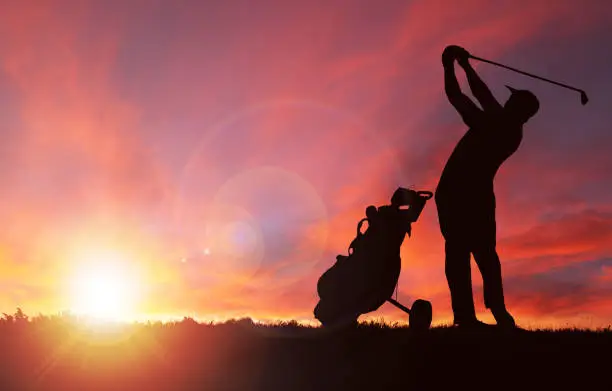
{"x":463,"y":57}
{"x":448,"y":56}
{"x":452,"y":53}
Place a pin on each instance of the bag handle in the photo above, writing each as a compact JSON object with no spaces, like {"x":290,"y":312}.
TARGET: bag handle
{"x":425,"y":194}
{"x":359,"y":234}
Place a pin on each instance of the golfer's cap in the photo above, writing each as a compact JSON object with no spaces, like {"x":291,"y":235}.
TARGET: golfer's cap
{"x":512,"y":90}
{"x":522,"y":92}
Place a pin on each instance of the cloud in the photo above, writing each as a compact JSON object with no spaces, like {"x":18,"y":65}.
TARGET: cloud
{"x":606,"y":273}
{"x":571,"y":291}
{"x":560,"y":241}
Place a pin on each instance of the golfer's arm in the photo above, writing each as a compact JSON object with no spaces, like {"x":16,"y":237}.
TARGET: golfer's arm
{"x":451,"y":84}
{"x":461,"y":102}
{"x":480,"y":90}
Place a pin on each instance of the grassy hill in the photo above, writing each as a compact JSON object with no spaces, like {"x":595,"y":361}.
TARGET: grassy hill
{"x":54,"y":353}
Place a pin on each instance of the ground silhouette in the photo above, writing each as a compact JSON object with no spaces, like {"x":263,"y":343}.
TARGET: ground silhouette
{"x":59,"y":353}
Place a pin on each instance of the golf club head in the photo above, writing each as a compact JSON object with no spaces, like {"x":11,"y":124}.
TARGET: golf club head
{"x":583,"y":98}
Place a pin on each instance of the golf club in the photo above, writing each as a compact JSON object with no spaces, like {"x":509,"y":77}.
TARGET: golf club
{"x":583,"y":96}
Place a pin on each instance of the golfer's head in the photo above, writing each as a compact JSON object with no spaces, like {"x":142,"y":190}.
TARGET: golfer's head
{"x":521,"y":105}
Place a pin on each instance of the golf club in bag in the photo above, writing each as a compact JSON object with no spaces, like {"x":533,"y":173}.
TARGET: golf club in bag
{"x":583,"y":96}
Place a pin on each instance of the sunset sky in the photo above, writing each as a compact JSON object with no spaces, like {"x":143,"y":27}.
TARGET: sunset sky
{"x":217,"y":155}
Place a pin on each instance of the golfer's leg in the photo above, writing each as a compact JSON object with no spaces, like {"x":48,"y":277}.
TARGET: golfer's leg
{"x":490,"y":267}
{"x":458,"y":275}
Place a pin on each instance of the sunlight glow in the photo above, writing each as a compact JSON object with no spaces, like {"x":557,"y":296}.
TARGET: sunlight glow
{"x":104,"y":286}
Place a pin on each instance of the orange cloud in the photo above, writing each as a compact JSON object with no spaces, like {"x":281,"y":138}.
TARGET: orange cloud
{"x":566,"y":239}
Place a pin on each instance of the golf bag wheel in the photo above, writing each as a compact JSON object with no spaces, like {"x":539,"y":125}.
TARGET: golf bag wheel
{"x":420,"y":315}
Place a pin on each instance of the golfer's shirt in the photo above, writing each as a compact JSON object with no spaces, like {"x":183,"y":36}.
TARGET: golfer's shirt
{"x":477,"y":157}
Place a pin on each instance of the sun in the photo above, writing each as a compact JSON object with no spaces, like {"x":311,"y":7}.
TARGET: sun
{"x":104,"y":286}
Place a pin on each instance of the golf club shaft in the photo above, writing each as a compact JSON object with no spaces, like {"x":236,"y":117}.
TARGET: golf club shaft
{"x":399,"y":305}
{"x":525,"y":73}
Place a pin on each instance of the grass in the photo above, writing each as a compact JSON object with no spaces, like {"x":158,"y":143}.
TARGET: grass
{"x":63,"y":353}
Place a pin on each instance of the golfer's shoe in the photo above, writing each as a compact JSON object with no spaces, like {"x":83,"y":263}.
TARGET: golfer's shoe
{"x":473,"y":324}
{"x":504,"y":319}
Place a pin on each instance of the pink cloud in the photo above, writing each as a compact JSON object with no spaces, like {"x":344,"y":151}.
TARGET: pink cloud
{"x":568,"y":239}
{"x":606,"y":273}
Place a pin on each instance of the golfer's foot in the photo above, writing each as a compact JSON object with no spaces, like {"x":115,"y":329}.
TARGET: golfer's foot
{"x":504,"y":319}
{"x":472,"y":324}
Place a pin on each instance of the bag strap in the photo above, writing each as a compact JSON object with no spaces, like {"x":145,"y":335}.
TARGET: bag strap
{"x":359,"y":234}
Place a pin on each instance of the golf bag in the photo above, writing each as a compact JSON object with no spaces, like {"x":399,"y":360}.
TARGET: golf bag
{"x":363,"y":280}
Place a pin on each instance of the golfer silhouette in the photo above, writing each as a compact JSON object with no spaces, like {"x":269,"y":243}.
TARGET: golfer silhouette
{"x":465,"y":196}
